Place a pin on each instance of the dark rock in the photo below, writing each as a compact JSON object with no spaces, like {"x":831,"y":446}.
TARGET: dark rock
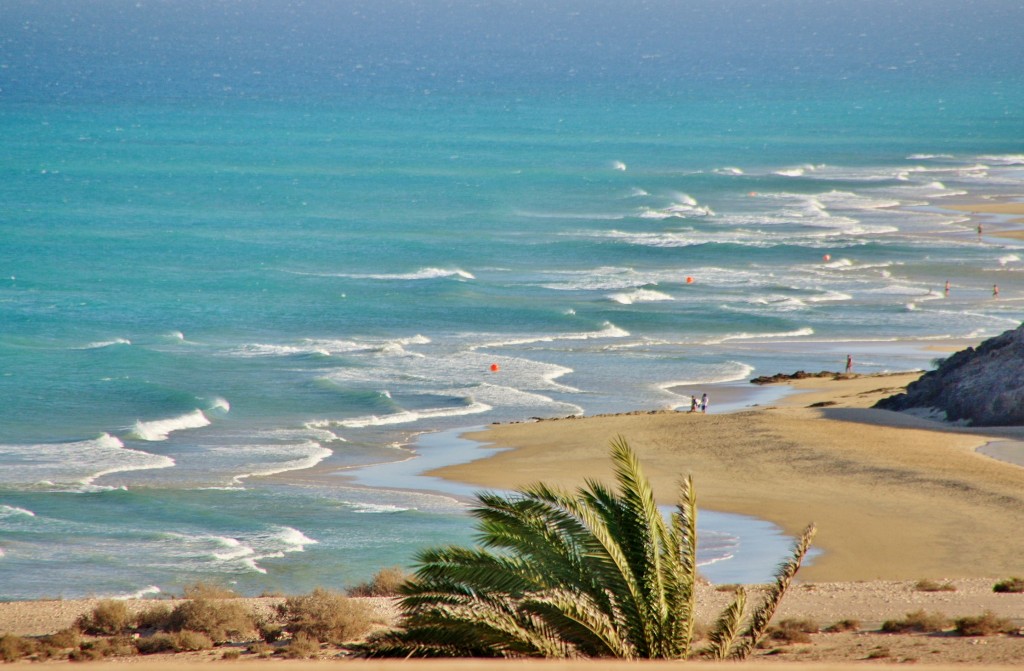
{"x":786,"y":377}
{"x":982,"y":387}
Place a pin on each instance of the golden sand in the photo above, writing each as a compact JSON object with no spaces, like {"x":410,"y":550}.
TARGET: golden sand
{"x":894,"y":497}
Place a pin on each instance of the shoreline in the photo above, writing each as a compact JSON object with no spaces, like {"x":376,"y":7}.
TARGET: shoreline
{"x":791,"y":464}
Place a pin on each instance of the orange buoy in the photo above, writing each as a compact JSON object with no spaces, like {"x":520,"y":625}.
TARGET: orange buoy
{"x":752,"y":194}
{"x":689,"y":280}
{"x":495,"y":368}
{"x":827,"y":258}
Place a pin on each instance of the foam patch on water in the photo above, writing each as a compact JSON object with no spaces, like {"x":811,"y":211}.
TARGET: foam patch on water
{"x":161,"y":429}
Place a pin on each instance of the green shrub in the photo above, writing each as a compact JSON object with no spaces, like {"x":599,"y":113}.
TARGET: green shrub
{"x":1010,"y":585}
{"x":326,"y":616}
{"x":302,"y":646}
{"x":926,"y":585}
{"x":385,"y":582}
{"x":222,"y":621}
{"x":985,"y":624}
{"x":108,"y":618}
{"x":919,"y":621}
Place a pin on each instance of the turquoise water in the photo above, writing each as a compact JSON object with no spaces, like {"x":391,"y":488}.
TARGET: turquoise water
{"x":242,"y":241}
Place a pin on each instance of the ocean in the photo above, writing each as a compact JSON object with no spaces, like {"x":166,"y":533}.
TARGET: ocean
{"x":242,"y":239}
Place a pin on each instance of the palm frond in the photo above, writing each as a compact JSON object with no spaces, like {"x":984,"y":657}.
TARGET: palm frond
{"x":770,"y":602}
{"x":723,"y":636}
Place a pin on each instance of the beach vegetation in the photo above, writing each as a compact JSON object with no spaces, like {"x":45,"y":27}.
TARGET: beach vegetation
{"x":793,"y":630}
{"x":231,"y":655}
{"x":302,"y":646}
{"x":108,"y":618}
{"x":385,"y":582}
{"x":594,"y":573}
{"x":917,"y":621}
{"x":223,"y":620}
{"x":926,"y":585}
{"x":178,"y":641}
{"x":847,"y":624}
{"x":1009,"y":586}
{"x":986,"y":624}
{"x":326,"y":616}
{"x":261,"y":649}
{"x":100,"y":648}
{"x":13,"y":648}
{"x":154,"y":618}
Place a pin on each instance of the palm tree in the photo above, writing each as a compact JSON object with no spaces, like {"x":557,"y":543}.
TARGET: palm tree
{"x":597,"y":573}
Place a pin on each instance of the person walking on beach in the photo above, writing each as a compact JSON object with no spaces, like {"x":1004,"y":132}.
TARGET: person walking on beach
{"x":704,"y":403}
{"x":693,"y":404}
{"x":849,"y":364}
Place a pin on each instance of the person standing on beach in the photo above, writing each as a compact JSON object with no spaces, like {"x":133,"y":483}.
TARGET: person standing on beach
{"x":995,"y":291}
{"x":849,"y":364}
{"x":693,"y":404}
{"x":704,"y":403}
{"x":947,"y":287}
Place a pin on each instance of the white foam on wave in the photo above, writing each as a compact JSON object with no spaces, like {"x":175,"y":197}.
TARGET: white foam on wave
{"x":161,"y":429}
{"x":76,"y":465}
{"x":608,"y":330}
{"x":107,"y":343}
{"x":421,"y":274}
{"x":728,"y":170}
{"x":286,"y":458}
{"x":1003,"y":159}
{"x":149,"y":590}
{"x":639,"y":296}
{"x":796,"y":171}
{"x":1008,"y":258}
{"x":221,"y":404}
{"x":11,"y":511}
{"x":619,"y":165}
{"x":798,"y":333}
{"x":737,"y":371}
{"x":684,"y":205}
{"x":328,"y":347}
{"x":410,"y":416}
{"x":375,"y":508}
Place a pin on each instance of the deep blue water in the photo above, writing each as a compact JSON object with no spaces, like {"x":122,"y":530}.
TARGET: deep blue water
{"x":240,"y":239}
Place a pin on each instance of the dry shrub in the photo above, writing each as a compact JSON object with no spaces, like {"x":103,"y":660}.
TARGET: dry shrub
{"x":110,"y":617}
{"x":985,"y":624}
{"x":919,"y":621}
{"x":302,"y":646}
{"x":62,"y":640}
{"x":842,"y":625}
{"x":260,"y":649}
{"x":115,"y":646}
{"x":221,"y":620}
{"x":385,"y":582}
{"x":328,"y":617}
{"x":793,"y":630}
{"x":154,"y":618}
{"x":1009,"y":586}
{"x":231,"y":655}
{"x":926,"y":585}
{"x":881,"y":652}
{"x":179,"y":641}
{"x":13,"y":648}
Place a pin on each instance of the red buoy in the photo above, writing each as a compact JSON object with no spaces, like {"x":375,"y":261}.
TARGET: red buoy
{"x":689,"y":280}
{"x":827,"y":258}
{"x":495,"y":368}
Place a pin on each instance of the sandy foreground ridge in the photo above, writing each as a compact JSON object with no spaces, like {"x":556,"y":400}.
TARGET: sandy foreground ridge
{"x":896,"y":499}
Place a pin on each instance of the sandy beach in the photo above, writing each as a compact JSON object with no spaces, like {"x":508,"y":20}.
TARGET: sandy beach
{"x":897,"y":499}
{"x":997,"y":212}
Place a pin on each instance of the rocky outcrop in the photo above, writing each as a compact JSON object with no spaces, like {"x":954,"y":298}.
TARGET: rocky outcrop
{"x":980,"y":387}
